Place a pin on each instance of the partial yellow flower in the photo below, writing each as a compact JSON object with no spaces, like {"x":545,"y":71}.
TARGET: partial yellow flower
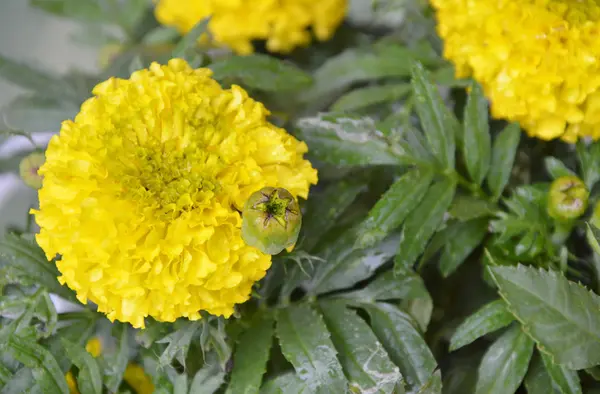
{"x":71,"y":383}
{"x":94,"y":347}
{"x":537,"y":60}
{"x":136,"y":377}
{"x":143,"y":191}
{"x":284,"y":24}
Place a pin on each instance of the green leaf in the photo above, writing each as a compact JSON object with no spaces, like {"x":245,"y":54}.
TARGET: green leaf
{"x":388,"y":286}
{"x":554,"y":312}
{"x":89,"y":379}
{"x":347,"y":141}
{"x":489,"y":318}
{"x":589,"y":160}
{"x":466,"y":236}
{"x":422,"y":222}
{"x":504,"y":365}
{"x":180,"y":386}
{"x":36,"y":114}
{"x":21,"y":382}
{"x":27,"y":259}
{"x":261,"y":72}
{"x":477,"y":144}
{"x":438,"y":123}
{"x":208,"y":379}
{"x":593,"y":237}
{"x":190,"y":41}
{"x":288,"y":383}
{"x":46,"y":371}
{"x":365,"y":362}
{"x":84,"y":10}
{"x":393,"y":207}
{"x":503,"y":157}
{"x":305,"y":342}
{"x":179,"y":343}
{"x":371,"y":95}
{"x":117,"y":363}
{"x":537,"y":380}
{"x":567,"y":380}
{"x":250,"y":358}
{"x":466,"y":207}
{"x":5,"y":375}
{"x":557,"y":168}
{"x":405,"y":346}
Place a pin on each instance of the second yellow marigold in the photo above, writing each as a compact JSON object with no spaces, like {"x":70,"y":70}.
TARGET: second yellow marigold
{"x":142,"y":194}
{"x":538,"y":60}
{"x":284,"y":24}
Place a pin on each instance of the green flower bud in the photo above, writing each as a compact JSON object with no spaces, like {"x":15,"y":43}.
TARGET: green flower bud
{"x":28,"y":170}
{"x":567,"y":198}
{"x":271,"y":220}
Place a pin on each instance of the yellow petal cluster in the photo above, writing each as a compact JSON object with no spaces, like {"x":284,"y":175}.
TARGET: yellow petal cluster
{"x":283,"y":24}
{"x":537,"y":60}
{"x":142,"y":194}
{"x":136,"y":377}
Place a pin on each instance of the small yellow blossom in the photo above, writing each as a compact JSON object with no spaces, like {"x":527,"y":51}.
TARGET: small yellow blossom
{"x":142,"y":194}
{"x":537,"y":60}
{"x":136,"y":377}
{"x":284,"y":24}
{"x":71,"y":383}
{"x":94,"y":347}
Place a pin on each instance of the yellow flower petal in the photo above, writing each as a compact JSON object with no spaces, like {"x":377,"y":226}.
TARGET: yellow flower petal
{"x":136,"y":377}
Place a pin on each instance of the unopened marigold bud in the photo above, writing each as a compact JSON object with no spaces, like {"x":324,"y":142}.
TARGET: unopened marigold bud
{"x":568,"y":198}
{"x":29,"y":167}
{"x":271,"y":220}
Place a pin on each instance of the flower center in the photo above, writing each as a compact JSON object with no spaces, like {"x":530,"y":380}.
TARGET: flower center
{"x":576,"y":12}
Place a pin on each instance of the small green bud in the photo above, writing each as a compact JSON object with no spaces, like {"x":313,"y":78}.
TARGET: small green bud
{"x":29,"y":167}
{"x":271,"y":220}
{"x":568,"y":198}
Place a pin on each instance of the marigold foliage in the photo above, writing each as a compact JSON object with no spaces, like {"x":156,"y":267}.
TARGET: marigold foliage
{"x":536,"y":59}
{"x":284,"y":24}
{"x":142,"y":194}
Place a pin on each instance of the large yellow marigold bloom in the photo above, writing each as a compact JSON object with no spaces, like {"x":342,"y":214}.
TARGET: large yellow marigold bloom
{"x":142,"y":193}
{"x":284,"y":24}
{"x":538,"y":60}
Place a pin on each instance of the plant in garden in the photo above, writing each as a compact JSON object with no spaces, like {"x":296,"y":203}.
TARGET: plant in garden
{"x":440,"y":252}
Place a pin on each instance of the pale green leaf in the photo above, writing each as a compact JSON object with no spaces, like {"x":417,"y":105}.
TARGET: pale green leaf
{"x":466,"y":236}
{"x":393,"y":207}
{"x":208,"y":379}
{"x":477,"y":144}
{"x":178,"y":343}
{"x":537,"y":380}
{"x":190,"y":41}
{"x":84,"y":10}
{"x":503,"y":156}
{"x":557,"y":168}
{"x":21,"y":382}
{"x":371,"y":95}
{"x":505,"y":363}
{"x":466,"y":207}
{"x":180,"y":386}
{"x":422,"y":222}
{"x":589,"y":160}
{"x":5,"y":375}
{"x":593,"y":237}
{"x":489,"y":318}
{"x":34,"y":114}
{"x":89,"y":380}
{"x":117,"y":362}
{"x":288,"y":383}
{"x":555,"y":312}
{"x":365,"y":362}
{"x":565,"y":379}
{"x":305,"y":342}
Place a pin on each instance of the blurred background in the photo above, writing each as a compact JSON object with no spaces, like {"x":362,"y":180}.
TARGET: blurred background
{"x":40,"y":39}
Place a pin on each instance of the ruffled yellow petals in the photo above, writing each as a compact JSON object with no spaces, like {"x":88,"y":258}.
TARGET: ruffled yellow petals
{"x":283,"y":24}
{"x":537,"y":60}
{"x":142,"y":193}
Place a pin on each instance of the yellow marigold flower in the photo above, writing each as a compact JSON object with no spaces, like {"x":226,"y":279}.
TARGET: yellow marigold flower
{"x":284,"y":24}
{"x":143,"y":191}
{"x":538,"y":60}
{"x":136,"y":377}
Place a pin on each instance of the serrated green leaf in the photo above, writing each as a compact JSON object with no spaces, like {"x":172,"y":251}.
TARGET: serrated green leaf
{"x":218,"y":342}
{"x":117,"y":363}
{"x":589,"y":160}
{"x":288,"y":383}
{"x":250,"y":358}
{"x":389,"y":286}
{"x":537,"y":380}
{"x":565,"y":379}
{"x":554,"y":312}
{"x":29,"y":260}
{"x":207,"y":380}
{"x":190,"y":40}
{"x":89,"y":379}
{"x":593,"y":237}
{"x":504,"y":365}
{"x":45,"y":369}
{"x":179,"y":343}
{"x":397,"y":332}
{"x":466,"y":207}
{"x":45,"y":311}
{"x":489,"y":318}
{"x":261,"y":72}
{"x":77,"y":327}
{"x":557,"y":168}
{"x":503,"y":156}
{"x":438,"y":123}
{"x":347,"y":141}
{"x":422,"y":222}
{"x":371,"y":95}
{"x":365,"y":362}
{"x":5,"y":375}
{"x":345,"y":266}
{"x":180,"y":385}
{"x":393,"y":207}
{"x":305,"y":342}
{"x":477,"y":143}
{"x":465,"y":238}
